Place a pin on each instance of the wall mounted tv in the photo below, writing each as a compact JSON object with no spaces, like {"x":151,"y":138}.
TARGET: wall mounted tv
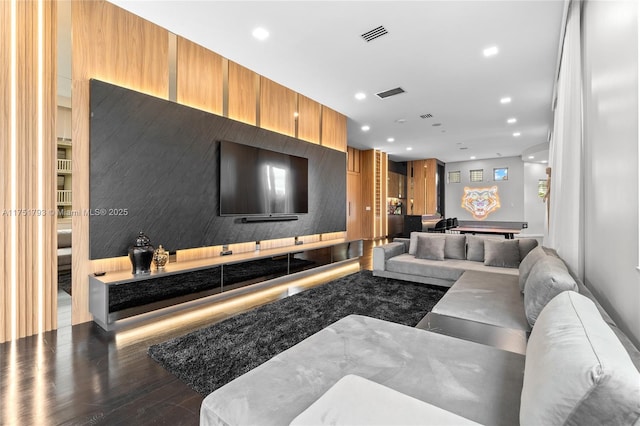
{"x":155,"y":167}
{"x":258,"y":181}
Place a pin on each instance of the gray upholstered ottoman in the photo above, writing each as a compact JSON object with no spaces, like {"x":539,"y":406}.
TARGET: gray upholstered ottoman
{"x":477,"y":382}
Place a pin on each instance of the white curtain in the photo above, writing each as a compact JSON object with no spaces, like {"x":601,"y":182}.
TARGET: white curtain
{"x":565,"y":226}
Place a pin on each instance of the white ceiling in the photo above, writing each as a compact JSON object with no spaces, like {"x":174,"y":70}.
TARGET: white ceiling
{"x":433,"y":50}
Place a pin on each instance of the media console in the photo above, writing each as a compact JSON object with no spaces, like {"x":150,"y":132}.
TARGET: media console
{"x":117,"y":299}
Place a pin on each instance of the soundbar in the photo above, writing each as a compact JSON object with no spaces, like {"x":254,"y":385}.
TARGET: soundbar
{"x":251,"y":219}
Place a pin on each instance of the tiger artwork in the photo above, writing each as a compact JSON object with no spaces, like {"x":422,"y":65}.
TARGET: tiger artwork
{"x":480,"y":202}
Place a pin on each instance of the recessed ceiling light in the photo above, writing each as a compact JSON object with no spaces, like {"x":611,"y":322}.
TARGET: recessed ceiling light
{"x":512,"y":121}
{"x":544,"y":161}
{"x":391,"y":140}
{"x":490,"y":51}
{"x":401,"y":120}
{"x":360,"y":96}
{"x":365,"y":128}
{"x":260,"y":33}
{"x":473,"y":157}
{"x":505,"y":100}
{"x":516,"y":134}
{"x":409,"y":148}
{"x":531,"y":157}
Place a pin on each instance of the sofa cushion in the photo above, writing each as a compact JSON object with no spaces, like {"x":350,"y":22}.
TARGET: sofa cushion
{"x":407,"y":264}
{"x":354,"y":400}
{"x":576,"y":370}
{"x":413,"y":242}
{"x":430,"y":247}
{"x":64,"y":238}
{"x":504,"y":254}
{"x":475,"y":248}
{"x":455,"y":246}
{"x":527,"y":263}
{"x":526,"y":245}
{"x":487,"y":298}
{"x":548,"y":278}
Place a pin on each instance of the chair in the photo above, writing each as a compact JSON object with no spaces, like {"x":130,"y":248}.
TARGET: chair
{"x":441,"y":226}
{"x":449,"y":223}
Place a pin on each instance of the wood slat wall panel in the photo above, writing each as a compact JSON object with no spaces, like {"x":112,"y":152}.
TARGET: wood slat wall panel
{"x":383,"y":221}
{"x":353,"y":158}
{"x":354,"y":206}
{"x":368,"y":170}
{"x":277,"y":107}
{"x":199,"y":80}
{"x":423,"y":190}
{"x":116,"y":46}
{"x":49,"y":265}
{"x":431,"y":200}
{"x":5,"y":196}
{"x":309,"y":119}
{"x":334,"y":129}
{"x":33,"y":261}
{"x":243,"y":91}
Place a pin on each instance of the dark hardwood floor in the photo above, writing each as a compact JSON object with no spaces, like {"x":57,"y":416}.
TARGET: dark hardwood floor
{"x":82,"y":375}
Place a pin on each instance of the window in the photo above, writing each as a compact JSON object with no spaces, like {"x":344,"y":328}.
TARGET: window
{"x":454,"y":177}
{"x":476,"y":175}
{"x":501,"y":174}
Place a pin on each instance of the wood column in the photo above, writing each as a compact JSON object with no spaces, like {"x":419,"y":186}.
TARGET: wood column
{"x":28,"y":239}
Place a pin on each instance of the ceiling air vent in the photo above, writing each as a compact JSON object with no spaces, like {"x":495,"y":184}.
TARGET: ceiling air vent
{"x":390,"y":92}
{"x":374,"y":33}
{"x":426,"y":116}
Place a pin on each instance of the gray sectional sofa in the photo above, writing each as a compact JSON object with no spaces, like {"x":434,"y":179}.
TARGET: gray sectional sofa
{"x":461,"y":253}
{"x":577,"y":366}
{"x":64,"y":250}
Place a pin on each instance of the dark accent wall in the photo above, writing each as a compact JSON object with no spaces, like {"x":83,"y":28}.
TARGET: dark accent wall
{"x":155,"y":168}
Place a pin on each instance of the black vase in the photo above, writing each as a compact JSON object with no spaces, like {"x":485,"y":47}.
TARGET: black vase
{"x":141,"y":255}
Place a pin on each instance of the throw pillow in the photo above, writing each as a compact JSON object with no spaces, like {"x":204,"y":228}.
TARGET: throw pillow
{"x":527,"y":263}
{"x":526,"y":245}
{"x":548,"y":278}
{"x":430,"y":247}
{"x":502,"y":253}
{"x":576,"y":370}
{"x":454,"y":246}
{"x":475,"y":248}
{"x":413,"y":242}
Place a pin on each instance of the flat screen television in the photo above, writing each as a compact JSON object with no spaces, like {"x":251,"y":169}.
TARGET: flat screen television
{"x":260,"y":182}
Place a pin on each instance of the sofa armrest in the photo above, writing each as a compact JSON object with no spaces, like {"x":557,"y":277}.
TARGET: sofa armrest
{"x":385,"y":252}
{"x":405,"y":241}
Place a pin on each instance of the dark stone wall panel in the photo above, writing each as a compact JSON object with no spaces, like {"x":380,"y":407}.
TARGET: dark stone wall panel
{"x":155,"y":168}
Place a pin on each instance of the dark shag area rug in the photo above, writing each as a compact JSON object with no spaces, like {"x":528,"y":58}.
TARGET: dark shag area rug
{"x":208,"y":358}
